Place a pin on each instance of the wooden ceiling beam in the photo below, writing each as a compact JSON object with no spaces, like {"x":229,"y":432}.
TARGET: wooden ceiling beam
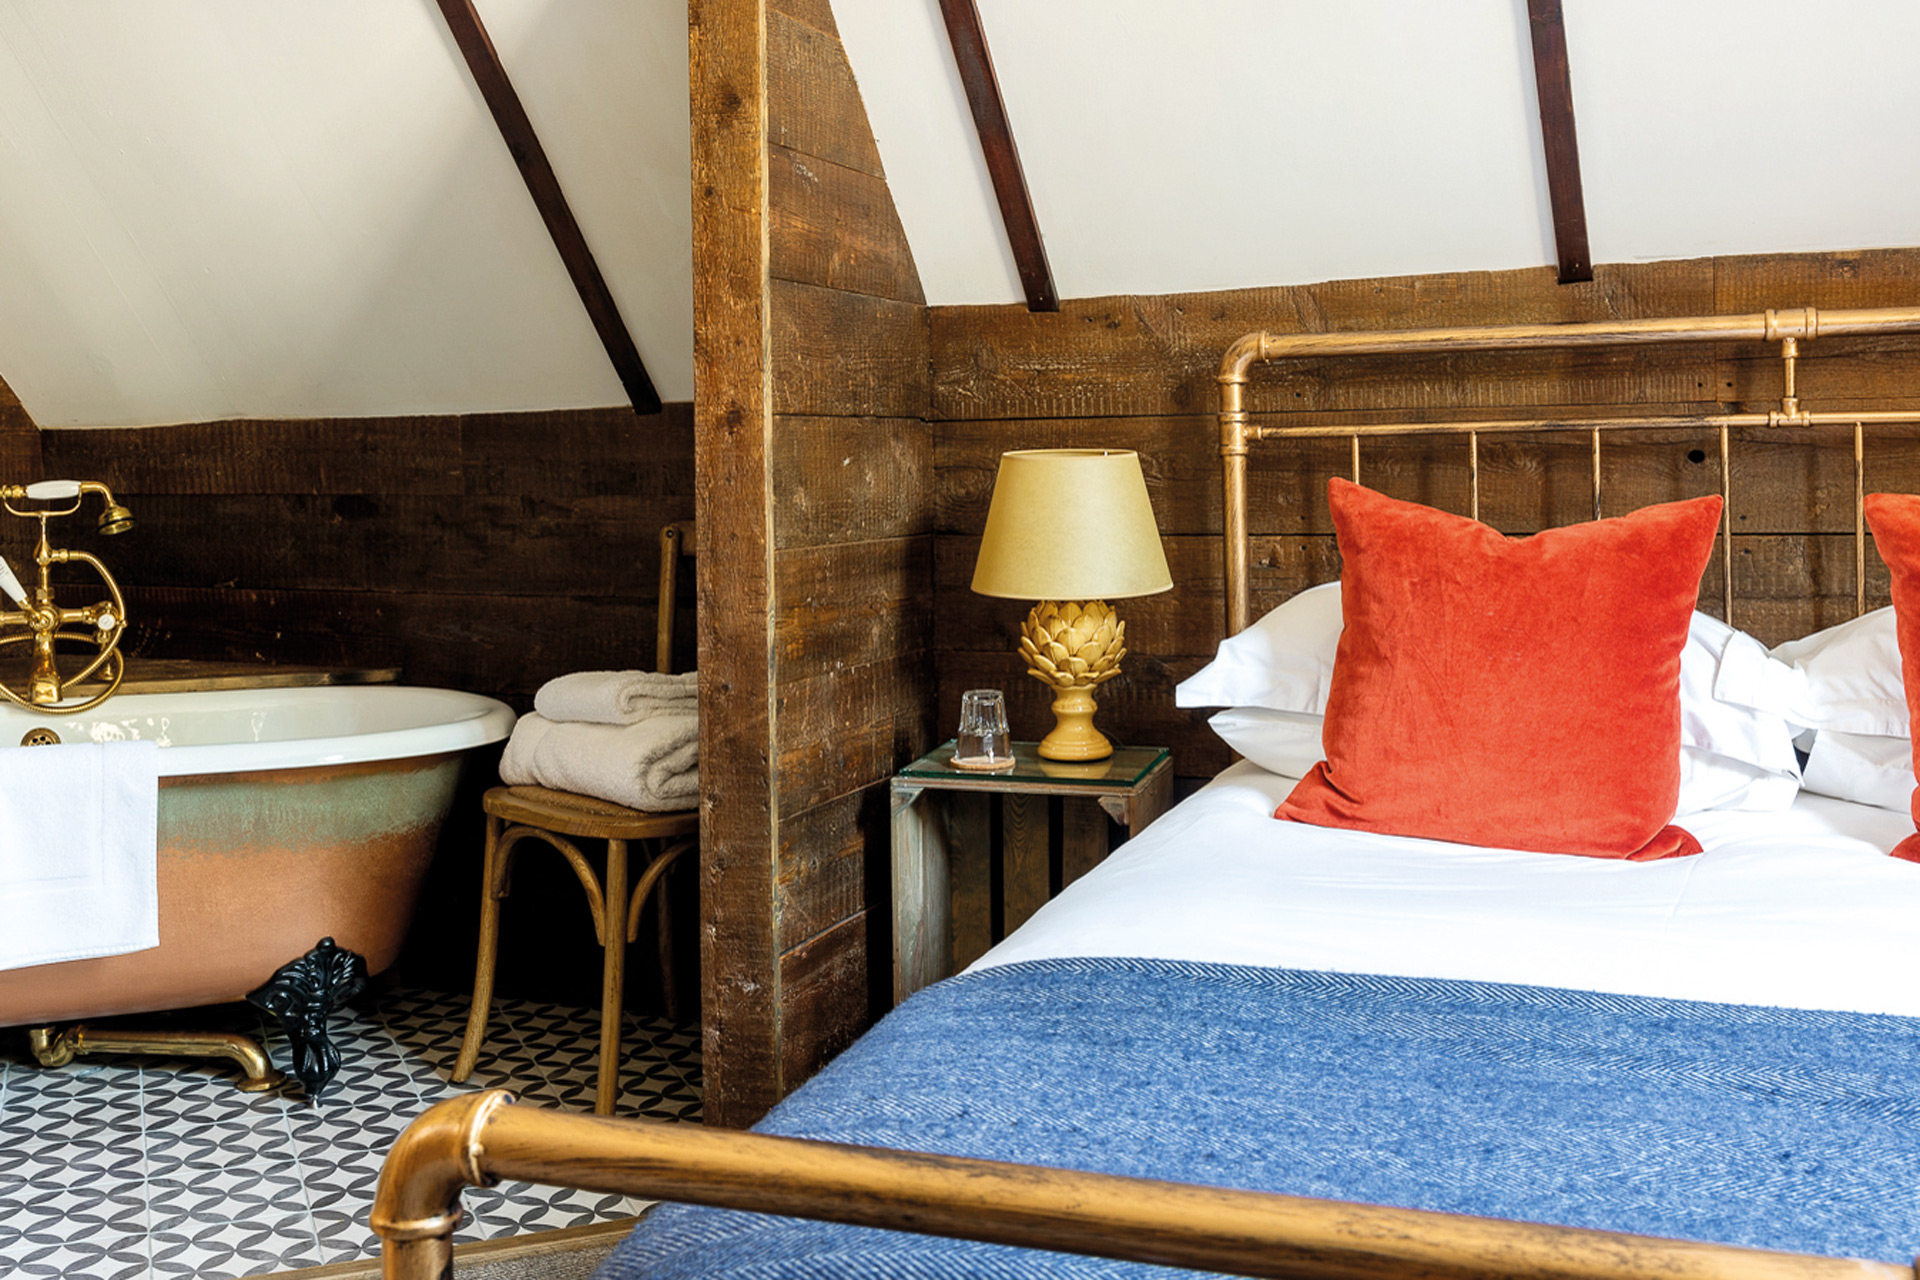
{"x":1553,"y":84}
{"x":969,"y":41}
{"x":483,"y":60}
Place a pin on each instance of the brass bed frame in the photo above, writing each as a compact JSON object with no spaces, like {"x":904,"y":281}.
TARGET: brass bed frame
{"x":479,"y":1139}
{"x":1788,"y":328}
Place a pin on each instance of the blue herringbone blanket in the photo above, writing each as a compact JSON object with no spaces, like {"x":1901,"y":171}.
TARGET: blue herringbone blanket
{"x":1771,"y":1127}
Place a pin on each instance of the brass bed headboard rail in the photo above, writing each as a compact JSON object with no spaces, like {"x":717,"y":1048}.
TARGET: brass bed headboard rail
{"x":1788,"y":328}
{"x":480,"y":1138}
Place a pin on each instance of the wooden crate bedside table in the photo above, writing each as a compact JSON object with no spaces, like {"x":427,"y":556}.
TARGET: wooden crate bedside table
{"x":957,"y":890}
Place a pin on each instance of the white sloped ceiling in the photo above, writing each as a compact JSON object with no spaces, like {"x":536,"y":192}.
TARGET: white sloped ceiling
{"x":1228,"y":143}
{"x":213,"y":208}
{"x":220,"y":208}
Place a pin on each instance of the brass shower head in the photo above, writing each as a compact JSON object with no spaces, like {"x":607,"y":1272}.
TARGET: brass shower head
{"x":115,"y":519}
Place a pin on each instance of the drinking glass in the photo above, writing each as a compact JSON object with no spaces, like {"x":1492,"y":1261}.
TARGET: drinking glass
{"x":982,"y":741}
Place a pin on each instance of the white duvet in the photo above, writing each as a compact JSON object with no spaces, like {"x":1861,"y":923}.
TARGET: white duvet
{"x":1801,"y":908}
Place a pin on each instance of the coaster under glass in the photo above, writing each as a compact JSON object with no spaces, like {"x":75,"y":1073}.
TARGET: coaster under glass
{"x":983,"y":764}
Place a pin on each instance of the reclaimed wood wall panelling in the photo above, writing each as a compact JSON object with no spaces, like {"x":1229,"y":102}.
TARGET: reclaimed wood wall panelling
{"x":851,"y":728}
{"x":434,"y":543}
{"x":1783,"y":480}
{"x":1138,"y":373}
{"x":847,"y":354}
{"x":1110,"y":357}
{"x":600,"y":452}
{"x":740,"y":979}
{"x":836,"y":227}
{"x":1866,"y":278}
{"x":827,"y":846}
{"x":839,"y":479}
{"x":850,"y":604}
{"x":400,"y":455}
{"x":498,"y":543}
{"x":813,"y":105}
{"x":818,"y":1018}
{"x":851,"y":476}
{"x":1114,"y":384}
{"x":1833,"y":373}
{"x":817,"y":14}
{"x":442,"y":638}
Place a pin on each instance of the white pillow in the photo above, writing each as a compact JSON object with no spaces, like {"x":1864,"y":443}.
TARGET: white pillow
{"x":1733,"y":696}
{"x":1709,"y":781}
{"x":1282,"y":742}
{"x":1288,"y":743}
{"x":1866,"y":768}
{"x":1733,"y":700}
{"x":1283,"y":662}
{"x":1848,"y":678}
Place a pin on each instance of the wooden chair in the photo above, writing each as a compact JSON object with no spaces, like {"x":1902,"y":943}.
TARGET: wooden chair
{"x":558,"y":818}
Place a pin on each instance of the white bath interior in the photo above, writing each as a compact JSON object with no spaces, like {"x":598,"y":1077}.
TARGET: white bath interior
{"x":246,"y":730}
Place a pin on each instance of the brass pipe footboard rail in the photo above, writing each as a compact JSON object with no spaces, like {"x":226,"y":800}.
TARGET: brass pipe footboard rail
{"x":1789,"y":328}
{"x":481,"y":1138}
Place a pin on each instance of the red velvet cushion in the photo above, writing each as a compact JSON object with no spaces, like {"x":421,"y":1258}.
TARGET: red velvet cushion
{"x":1895,"y":521}
{"x":1516,"y":692}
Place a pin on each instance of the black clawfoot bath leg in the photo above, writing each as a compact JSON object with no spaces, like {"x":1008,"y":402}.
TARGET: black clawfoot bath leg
{"x":302,"y":994}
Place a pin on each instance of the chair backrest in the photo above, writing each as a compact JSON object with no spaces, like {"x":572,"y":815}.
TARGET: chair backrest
{"x":676,"y":540}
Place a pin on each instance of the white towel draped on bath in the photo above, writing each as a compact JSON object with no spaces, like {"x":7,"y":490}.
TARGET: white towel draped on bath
{"x":78,"y":839}
{"x":653,"y":765}
{"x":616,"y":697}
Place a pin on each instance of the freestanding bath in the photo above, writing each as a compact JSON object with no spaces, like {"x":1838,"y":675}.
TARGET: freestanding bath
{"x":286,"y":817}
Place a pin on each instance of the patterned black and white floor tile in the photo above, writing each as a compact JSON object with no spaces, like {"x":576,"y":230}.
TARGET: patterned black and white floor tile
{"x":142,"y":1169}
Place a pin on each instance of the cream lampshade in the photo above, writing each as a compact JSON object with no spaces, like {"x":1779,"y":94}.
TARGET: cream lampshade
{"x":1071,"y":528}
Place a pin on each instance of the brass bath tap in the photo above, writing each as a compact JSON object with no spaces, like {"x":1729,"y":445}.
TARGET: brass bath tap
{"x":40,"y":621}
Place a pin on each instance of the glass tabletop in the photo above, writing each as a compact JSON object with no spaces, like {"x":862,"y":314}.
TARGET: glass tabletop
{"x":1124,"y":768}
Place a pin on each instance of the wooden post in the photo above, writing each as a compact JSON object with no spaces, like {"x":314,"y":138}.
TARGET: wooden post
{"x":733,"y":423}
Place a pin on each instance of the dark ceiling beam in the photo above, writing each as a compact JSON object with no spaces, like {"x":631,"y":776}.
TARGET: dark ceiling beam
{"x":1003,"y":160}
{"x":483,"y":60}
{"x":1553,"y":83}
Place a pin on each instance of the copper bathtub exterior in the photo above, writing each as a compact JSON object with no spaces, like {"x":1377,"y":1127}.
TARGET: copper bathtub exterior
{"x":254,"y":869}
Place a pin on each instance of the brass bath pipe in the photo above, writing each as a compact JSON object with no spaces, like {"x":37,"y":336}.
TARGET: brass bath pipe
{"x":480,"y":1139}
{"x":53,"y":1049}
{"x":1783,"y":326}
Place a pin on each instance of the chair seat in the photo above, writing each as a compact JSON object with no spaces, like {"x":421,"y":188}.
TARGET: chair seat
{"x":585,"y":816}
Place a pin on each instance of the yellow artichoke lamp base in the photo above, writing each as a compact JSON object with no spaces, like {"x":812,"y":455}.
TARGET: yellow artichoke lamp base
{"x":1073,"y":736}
{"x":1072,"y":648}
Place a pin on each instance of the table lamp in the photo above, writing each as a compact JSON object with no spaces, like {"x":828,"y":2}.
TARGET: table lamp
{"x":1071,"y":528}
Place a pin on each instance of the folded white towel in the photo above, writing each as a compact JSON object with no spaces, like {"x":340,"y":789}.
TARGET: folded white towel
{"x":78,"y":843}
{"x":652,"y":765}
{"x":616,"y":697}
